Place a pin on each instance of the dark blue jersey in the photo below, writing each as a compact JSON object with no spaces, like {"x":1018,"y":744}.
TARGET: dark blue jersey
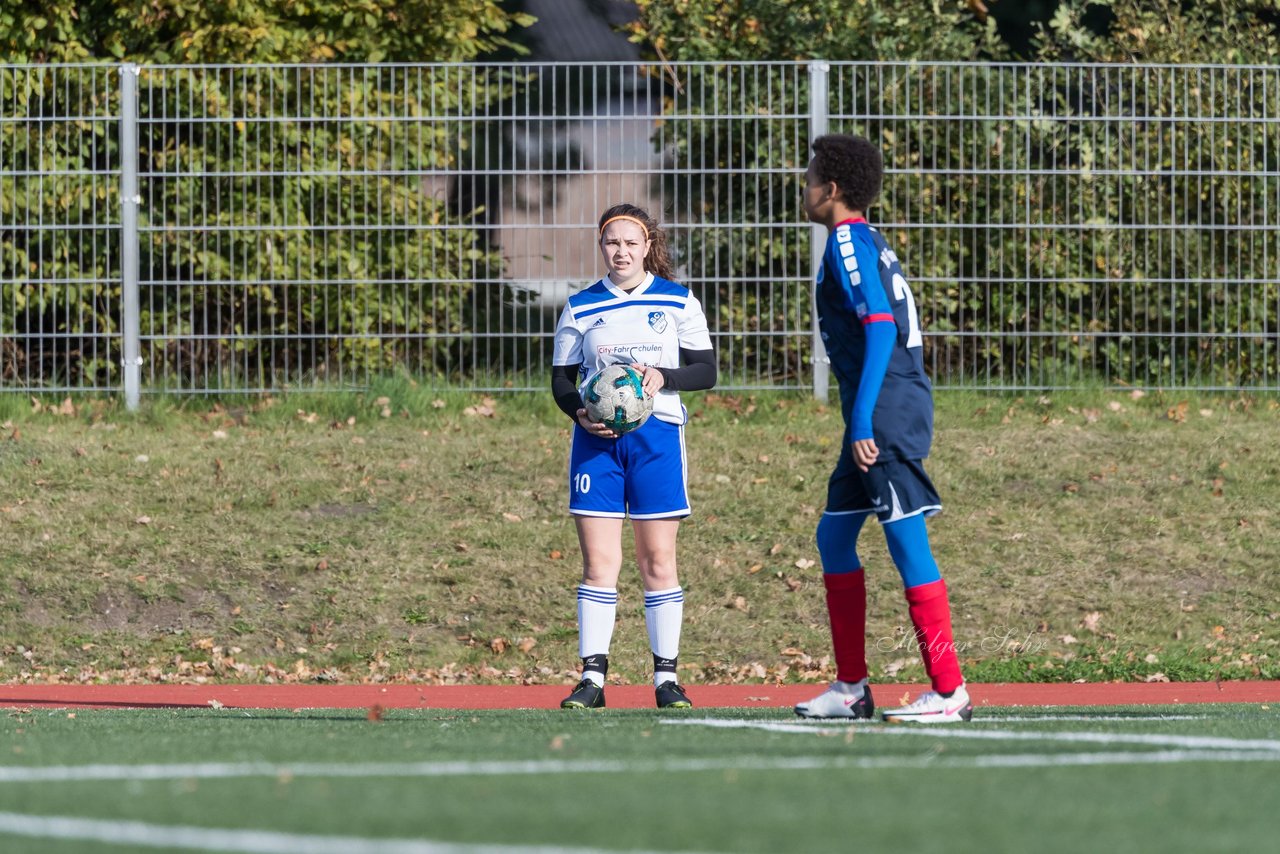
{"x":869,"y":324}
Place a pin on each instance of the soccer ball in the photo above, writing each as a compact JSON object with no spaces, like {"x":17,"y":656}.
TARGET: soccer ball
{"x":614,"y":396}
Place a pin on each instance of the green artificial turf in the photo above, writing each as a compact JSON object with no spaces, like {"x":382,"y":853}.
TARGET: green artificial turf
{"x":1176,"y":778}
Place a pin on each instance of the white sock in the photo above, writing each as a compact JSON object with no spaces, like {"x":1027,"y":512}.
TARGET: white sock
{"x":663,"y":617}
{"x":851,"y":688}
{"x":597,"y":613}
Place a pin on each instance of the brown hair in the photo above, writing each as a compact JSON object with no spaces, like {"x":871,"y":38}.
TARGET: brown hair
{"x":658,"y":260}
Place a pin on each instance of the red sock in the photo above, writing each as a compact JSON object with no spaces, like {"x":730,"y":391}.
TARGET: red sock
{"x":847,"y":610}
{"x":931,"y":615}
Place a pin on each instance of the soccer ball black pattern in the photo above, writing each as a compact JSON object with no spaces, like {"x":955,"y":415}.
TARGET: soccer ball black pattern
{"x":614,"y":396}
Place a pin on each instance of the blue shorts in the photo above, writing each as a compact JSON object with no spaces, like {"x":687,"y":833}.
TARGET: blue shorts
{"x":640,"y":474}
{"x":892,"y":489}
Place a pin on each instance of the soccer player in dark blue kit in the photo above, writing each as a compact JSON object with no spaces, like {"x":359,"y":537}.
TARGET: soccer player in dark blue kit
{"x":869,"y":324}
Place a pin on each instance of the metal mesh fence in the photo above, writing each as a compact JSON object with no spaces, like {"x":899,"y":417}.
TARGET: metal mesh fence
{"x":249,"y":228}
{"x":1083,"y":224}
{"x":60,"y":219}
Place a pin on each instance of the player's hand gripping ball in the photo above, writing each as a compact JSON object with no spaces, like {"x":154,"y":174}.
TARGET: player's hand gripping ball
{"x":615,"y":397}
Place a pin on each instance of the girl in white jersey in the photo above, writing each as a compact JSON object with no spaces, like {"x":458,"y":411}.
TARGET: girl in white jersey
{"x":636,"y":316}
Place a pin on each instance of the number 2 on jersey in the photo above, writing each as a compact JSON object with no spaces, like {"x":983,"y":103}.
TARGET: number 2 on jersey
{"x":902,"y":291}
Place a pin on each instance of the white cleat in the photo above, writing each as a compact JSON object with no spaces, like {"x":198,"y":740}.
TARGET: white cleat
{"x":933,"y":708}
{"x":841,"y":700}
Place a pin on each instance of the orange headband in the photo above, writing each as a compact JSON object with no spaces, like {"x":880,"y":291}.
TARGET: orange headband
{"x":630,"y":218}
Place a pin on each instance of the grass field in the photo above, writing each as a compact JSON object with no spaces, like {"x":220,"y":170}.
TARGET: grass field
{"x":1057,"y":779}
{"x":409,"y":535}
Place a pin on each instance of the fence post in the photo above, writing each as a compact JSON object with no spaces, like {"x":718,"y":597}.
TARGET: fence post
{"x":818,"y":71}
{"x":130,"y":325}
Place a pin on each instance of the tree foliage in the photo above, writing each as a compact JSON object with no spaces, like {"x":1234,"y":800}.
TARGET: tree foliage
{"x":715,"y":30}
{"x":1229,"y":32}
{"x":195,"y":31}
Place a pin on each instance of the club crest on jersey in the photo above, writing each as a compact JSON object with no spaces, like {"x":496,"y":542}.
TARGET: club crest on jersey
{"x":658,"y":320}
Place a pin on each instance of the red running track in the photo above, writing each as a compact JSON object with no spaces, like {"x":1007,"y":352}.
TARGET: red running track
{"x":619,"y":696}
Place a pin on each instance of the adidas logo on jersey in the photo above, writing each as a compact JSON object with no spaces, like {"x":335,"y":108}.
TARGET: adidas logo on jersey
{"x":599,"y":322}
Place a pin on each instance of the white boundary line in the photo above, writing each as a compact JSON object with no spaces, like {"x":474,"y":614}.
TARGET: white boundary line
{"x":1183,"y":750}
{"x":141,"y":834}
{"x":1191,"y":742}
{"x":244,"y":770}
{"x":1176,"y":749}
{"x":1086,"y":718}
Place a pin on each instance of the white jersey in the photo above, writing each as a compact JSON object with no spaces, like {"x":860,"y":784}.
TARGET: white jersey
{"x":603,"y":325}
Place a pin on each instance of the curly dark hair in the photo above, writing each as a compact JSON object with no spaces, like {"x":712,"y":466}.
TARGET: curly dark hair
{"x":854,"y":163}
{"x":658,"y":261}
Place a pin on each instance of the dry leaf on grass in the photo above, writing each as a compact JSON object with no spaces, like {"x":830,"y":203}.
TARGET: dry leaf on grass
{"x":486,"y":408}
